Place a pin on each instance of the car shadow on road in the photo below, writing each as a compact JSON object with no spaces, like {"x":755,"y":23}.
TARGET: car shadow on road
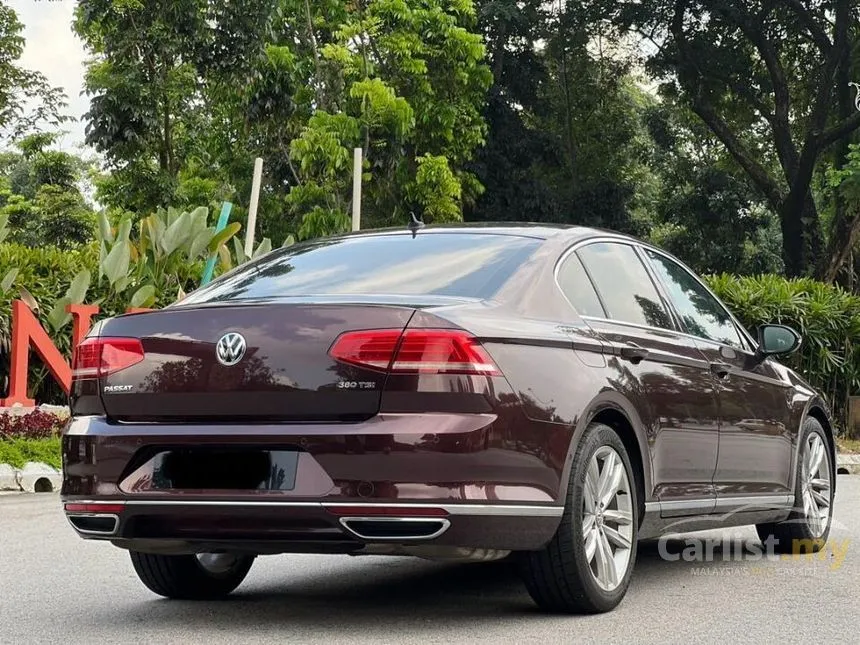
{"x":412,"y":593}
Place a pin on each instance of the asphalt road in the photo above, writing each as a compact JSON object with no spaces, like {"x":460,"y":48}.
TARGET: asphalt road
{"x":55,"y":588}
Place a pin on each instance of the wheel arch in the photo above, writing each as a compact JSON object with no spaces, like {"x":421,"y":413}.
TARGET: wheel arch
{"x":615,"y":411}
{"x":816,"y":408}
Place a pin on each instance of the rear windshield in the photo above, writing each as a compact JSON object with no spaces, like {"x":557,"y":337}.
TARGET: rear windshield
{"x":443,"y":264}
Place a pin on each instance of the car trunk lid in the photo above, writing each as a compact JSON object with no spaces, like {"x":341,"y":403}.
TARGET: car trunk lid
{"x":284,"y":373}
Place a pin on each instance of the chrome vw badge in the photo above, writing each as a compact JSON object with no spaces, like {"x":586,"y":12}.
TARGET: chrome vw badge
{"x":230,"y":348}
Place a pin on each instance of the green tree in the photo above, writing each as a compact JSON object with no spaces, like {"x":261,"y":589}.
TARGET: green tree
{"x":705,"y":211}
{"x":761,"y":75}
{"x":401,"y":79}
{"x":21,"y":88}
{"x":41,"y":195}
{"x":151,"y":62}
{"x":567,"y":142}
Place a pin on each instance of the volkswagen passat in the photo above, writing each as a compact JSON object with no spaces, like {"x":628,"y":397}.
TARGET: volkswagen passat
{"x":456,"y":393}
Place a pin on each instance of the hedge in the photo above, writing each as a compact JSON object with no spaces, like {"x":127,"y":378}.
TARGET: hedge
{"x":827,"y":316}
{"x":34,"y":436}
{"x":17,"y":452}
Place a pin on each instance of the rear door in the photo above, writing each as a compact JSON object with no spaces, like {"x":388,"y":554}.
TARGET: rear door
{"x":661,"y":371}
{"x":755,"y":438}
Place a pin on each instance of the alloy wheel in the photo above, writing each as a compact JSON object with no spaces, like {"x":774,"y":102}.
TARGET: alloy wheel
{"x":607,"y":518}
{"x":815,"y":484}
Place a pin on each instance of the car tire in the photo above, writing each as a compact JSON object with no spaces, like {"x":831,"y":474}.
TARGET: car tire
{"x":190,"y":577}
{"x":573,"y":573}
{"x":806,"y":525}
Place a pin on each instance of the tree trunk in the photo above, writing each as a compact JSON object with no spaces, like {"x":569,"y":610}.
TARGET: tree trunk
{"x":801,"y":236}
{"x":846,"y":226}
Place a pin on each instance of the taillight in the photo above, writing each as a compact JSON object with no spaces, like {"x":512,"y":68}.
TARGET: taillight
{"x":415,"y":351}
{"x":97,"y":357}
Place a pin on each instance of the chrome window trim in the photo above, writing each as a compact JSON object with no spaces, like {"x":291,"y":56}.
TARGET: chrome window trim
{"x":738,"y":327}
{"x":573,"y":248}
{"x":645,"y":246}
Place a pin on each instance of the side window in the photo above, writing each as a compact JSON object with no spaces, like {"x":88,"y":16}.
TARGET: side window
{"x":624,"y":286}
{"x":702,"y":314}
{"x":576,"y":285}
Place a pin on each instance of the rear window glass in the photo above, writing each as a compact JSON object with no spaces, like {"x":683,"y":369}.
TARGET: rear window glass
{"x":444,"y":264}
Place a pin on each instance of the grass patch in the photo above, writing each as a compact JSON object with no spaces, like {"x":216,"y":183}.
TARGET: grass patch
{"x":848,"y":446}
{"x":17,"y":452}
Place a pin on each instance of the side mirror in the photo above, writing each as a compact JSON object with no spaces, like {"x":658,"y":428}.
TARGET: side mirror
{"x":774,"y":340}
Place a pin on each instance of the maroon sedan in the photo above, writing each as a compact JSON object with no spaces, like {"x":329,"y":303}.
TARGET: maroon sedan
{"x":456,"y":393}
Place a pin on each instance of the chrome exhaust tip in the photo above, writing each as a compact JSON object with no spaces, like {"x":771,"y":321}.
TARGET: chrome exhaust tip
{"x":94,"y":523}
{"x":396,"y":528}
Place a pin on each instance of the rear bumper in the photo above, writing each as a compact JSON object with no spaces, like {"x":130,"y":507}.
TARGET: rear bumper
{"x":430,"y":479}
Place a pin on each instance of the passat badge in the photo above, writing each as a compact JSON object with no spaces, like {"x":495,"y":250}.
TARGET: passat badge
{"x":230,"y":348}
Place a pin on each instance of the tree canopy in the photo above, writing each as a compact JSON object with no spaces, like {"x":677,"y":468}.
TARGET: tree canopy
{"x":27,"y":100}
{"x":720,"y":129}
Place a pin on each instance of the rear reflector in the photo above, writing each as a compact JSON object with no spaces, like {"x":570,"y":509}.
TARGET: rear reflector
{"x":97,"y":357}
{"x":387,"y":511}
{"x":94,"y":508}
{"x":415,"y":351}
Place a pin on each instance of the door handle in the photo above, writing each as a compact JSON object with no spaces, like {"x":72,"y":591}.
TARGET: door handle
{"x":633,"y":353}
{"x":722,"y":370}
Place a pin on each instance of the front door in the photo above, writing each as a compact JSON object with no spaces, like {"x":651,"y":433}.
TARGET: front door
{"x":755,"y":440}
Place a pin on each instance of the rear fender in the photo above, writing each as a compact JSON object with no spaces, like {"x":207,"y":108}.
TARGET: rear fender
{"x":610,"y":400}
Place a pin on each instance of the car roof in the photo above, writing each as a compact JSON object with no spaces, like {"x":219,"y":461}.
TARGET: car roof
{"x":540,"y":230}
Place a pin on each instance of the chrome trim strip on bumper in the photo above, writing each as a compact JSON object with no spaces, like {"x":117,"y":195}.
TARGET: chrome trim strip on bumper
{"x":529,"y":510}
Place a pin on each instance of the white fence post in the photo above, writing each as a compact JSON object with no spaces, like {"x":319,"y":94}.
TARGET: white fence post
{"x":356,"y":189}
{"x":252,"y":207}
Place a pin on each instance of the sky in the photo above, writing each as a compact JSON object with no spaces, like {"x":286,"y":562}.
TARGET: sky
{"x":53,"y":49}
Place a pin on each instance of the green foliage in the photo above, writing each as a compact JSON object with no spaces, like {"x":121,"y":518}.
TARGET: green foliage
{"x":567,"y":141}
{"x":847,"y":178}
{"x":703,"y":209}
{"x":769,"y":79}
{"x":43,"y":202}
{"x":151,"y":68}
{"x":404,"y":81}
{"x":150,"y":265}
{"x":26,"y":98}
{"x":238,"y":256}
{"x":46,"y":274}
{"x":61,"y":218}
{"x":828,"y":317}
{"x":162,"y":261}
{"x":437,"y":189}
{"x":186,"y":94}
{"x":17,"y":452}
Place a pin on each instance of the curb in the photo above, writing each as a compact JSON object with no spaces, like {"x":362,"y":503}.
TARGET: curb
{"x":34,"y":477}
{"x":848,"y":464}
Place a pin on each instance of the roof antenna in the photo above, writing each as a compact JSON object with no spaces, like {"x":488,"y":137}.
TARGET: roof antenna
{"x":415,"y":224}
